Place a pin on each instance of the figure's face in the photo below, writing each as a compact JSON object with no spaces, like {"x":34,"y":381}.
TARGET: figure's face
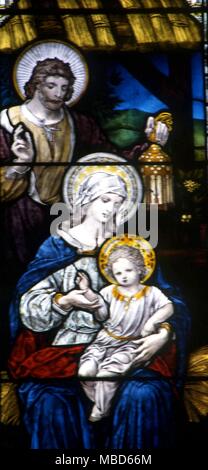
{"x":125,"y":272}
{"x":104,"y":207}
{"x":52,"y":92}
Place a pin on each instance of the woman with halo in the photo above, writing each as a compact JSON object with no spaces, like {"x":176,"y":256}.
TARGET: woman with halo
{"x":50,"y":77}
{"x":38,"y":139}
{"x":55,"y":411}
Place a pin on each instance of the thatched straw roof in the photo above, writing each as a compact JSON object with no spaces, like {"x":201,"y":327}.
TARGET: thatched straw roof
{"x":99,"y":24}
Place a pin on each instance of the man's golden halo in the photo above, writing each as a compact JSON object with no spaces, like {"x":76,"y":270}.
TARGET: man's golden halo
{"x":135,"y":241}
{"x":50,"y":49}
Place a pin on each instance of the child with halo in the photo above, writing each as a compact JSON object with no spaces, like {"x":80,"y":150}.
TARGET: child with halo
{"x":128,"y":311}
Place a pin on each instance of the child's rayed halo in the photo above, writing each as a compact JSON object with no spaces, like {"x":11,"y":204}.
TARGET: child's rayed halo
{"x":134,"y":241}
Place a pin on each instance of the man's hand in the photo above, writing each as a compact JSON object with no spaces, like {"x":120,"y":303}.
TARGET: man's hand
{"x":160,"y":129}
{"x":149,"y":346}
{"x":22,"y":146}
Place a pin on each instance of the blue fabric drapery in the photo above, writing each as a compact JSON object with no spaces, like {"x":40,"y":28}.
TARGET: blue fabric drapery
{"x":56,"y":413}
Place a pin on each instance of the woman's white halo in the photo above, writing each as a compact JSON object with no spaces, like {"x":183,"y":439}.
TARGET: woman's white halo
{"x":76,"y":176}
{"x":51,"y":49}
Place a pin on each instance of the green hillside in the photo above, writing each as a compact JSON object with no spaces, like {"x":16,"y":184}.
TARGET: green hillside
{"x":125,"y":128}
{"x":199,"y":139}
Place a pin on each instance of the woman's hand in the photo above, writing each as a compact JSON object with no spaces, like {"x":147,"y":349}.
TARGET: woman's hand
{"x":76,"y":298}
{"x":149,"y":346}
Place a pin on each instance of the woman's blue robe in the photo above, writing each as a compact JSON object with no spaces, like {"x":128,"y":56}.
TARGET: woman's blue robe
{"x":55,"y":412}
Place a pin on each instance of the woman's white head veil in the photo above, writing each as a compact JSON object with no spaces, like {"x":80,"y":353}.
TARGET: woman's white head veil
{"x":106,"y":173}
{"x":98,"y":184}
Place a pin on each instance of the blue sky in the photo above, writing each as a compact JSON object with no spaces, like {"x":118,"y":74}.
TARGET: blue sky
{"x":135,"y":96}
{"x":197,"y":85}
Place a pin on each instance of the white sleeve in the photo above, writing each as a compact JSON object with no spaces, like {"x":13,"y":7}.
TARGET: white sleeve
{"x":5,"y":122}
{"x":38,"y":310}
{"x":15,"y":173}
{"x":105,"y":298}
{"x":159,"y":299}
{"x":106,"y":293}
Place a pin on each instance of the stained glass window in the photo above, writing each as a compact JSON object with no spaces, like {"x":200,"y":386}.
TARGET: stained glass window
{"x":104,"y":225}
